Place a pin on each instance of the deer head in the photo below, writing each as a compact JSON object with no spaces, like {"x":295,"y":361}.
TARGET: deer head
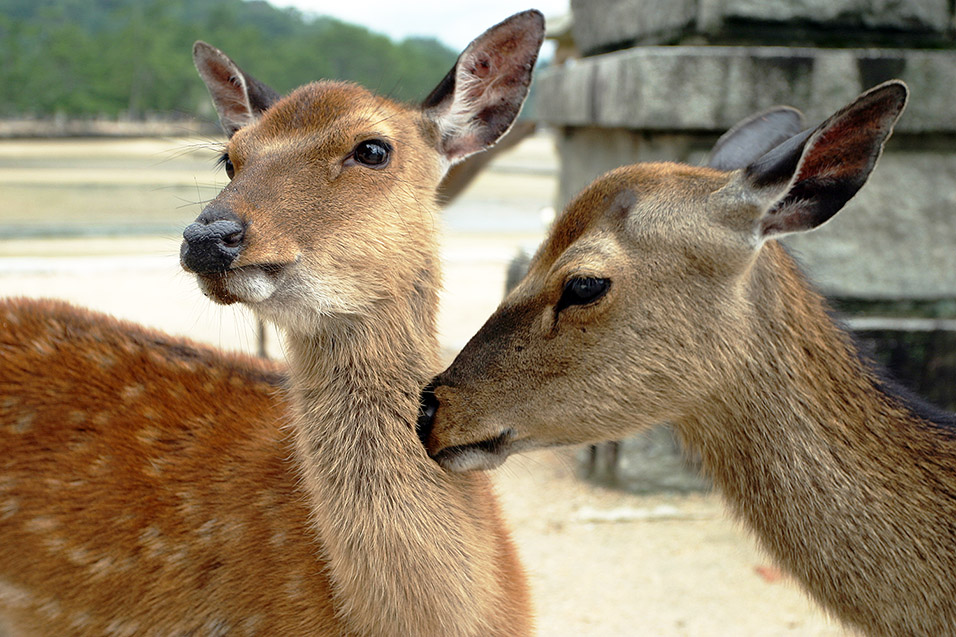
{"x":646,"y":291}
{"x":331,"y":201}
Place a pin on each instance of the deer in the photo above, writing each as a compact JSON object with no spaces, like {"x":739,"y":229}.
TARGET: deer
{"x":150,"y":485}
{"x":661,"y":294}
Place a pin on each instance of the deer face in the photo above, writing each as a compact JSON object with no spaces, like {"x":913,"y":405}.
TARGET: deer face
{"x":642,"y":298}
{"x":604,"y":334}
{"x":331,"y":202}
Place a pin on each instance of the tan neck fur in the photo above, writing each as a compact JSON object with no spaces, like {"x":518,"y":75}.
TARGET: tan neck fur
{"x":399,"y":534}
{"x":839,"y":481}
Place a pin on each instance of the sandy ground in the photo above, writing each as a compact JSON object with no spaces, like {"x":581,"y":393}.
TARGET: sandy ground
{"x":601,"y":562}
{"x":608,"y":563}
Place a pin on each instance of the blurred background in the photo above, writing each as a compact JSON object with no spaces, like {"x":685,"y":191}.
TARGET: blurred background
{"x":108,"y":144}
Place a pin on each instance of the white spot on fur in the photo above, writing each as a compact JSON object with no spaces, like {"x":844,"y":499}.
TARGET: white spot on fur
{"x":122,"y":628}
{"x":148,"y":434}
{"x":207,"y":529}
{"x":250,"y":625}
{"x":187,"y":503}
{"x":155,"y":466}
{"x":278,"y":538}
{"x":78,"y":555}
{"x":217,"y":627}
{"x":13,"y":596}
{"x":132,"y":392}
{"x":7,"y":483}
{"x":9,"y":508}
{"x":101,"y":463}
{"x":23,"y":422}
{"x":41,"y":524}
{"x":55,"y":544}
{"x":153,"y":542}
{"x":50,"y":609}
{"x":80,"y":620}
{"x":178,"y":558}
{"x":42,"y":347}
{"x":103,"y":566}
{"x":294,"y":585}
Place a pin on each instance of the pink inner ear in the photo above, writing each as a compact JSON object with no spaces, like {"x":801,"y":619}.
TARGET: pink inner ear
{"x":479,"y":99}
{"x":220,"y":73}
{"x":228,"y":87}
{"x":796,"y":217}
{"x":481,"y":66}
{"x":851,"y":144}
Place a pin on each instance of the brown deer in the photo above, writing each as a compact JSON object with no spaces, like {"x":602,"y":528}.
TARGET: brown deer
{"x":661,"y":295}
{"x":153,"y":486}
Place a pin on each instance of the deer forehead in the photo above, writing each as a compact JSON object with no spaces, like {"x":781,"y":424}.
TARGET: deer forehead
{"x":324,"y":120}
{"x":652,"y":207}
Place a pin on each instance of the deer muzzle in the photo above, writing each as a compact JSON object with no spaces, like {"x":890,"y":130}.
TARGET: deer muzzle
{"x":213,"y":242}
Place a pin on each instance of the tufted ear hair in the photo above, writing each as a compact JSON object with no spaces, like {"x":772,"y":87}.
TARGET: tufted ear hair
{"x":479,"y":99}
{"x":807,"y":179}
{"x":750,"y":138}
{"x":240,"y":99}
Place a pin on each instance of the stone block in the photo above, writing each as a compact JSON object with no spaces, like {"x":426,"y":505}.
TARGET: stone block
{"x":568,"y":98}
{"x":602,"y":25}
{"x":916,"y":16}
{"x":896,"y":239}
{"x":606,"y":25}
{"x":687,"y":88}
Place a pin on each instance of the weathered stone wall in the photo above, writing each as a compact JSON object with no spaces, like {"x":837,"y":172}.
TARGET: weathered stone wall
{"x":608,"y":25}
{"x":662,"y":79}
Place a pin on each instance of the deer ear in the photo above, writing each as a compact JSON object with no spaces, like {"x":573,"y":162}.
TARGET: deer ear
{"x":808,"y":179}
{"x":481,"y":96}
{"x":240,"y":99}
{"x":753,"y":137}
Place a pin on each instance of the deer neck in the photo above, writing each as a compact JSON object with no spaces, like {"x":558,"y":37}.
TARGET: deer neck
{"x":837,"y":477}
{"x":407,"y":546}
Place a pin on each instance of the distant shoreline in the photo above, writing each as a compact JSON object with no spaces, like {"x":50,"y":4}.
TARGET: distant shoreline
{"x":62,"y":127}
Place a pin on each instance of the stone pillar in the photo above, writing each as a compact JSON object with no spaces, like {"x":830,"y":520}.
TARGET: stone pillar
{"x":662,"y":79}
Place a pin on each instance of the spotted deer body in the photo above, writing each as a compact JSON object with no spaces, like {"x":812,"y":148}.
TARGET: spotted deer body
{"x":661,"y":295}
{"x":155,"y":486}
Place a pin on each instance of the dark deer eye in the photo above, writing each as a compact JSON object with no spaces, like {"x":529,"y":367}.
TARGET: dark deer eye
{"x":226,"y":163}
{"x":582,"y":291}
{"x":373,"y":153}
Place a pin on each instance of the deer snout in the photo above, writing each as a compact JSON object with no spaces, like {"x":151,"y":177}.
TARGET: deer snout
{"x":212,"y":242}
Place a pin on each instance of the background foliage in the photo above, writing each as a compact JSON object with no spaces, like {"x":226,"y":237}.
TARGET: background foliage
{"x":133,"y":57}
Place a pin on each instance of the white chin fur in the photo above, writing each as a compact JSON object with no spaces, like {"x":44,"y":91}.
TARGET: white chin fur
{"x":472,"y":460}
{"x":251,"y":286}
{"x":292,"y":299}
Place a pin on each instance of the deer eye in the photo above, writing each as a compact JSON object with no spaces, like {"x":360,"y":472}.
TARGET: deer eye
{"x":582,"y":291}
{"x":226,"y":163}
{"x":373,"y":153}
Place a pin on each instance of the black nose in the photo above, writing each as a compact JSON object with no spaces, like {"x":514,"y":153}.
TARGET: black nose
{"x":212,"y":242}
{"x":427,"y":406}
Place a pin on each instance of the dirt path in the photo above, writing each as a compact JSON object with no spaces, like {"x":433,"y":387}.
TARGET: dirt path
{"x":608,"y":563}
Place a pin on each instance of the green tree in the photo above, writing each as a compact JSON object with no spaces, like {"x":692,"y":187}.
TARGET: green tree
{"x":132,"y":57}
